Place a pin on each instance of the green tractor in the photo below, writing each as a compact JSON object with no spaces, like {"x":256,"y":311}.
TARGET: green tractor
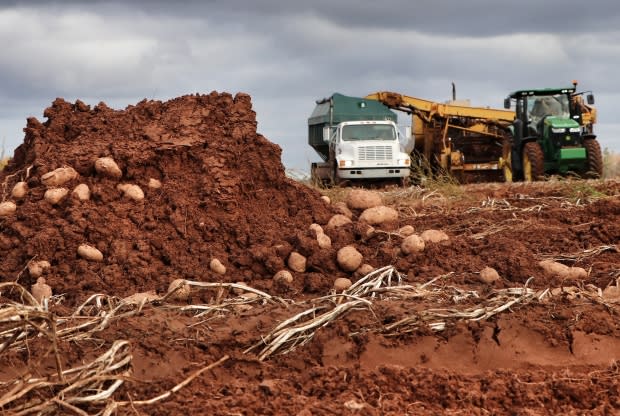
{"x":551,"y":134}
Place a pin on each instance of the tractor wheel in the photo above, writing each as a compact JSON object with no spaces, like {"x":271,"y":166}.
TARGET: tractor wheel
{"x":595,"y":158}
{"x":533,"y":162}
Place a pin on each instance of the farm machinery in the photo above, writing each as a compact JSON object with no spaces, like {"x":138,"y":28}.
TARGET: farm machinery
{"x":550,"y":132}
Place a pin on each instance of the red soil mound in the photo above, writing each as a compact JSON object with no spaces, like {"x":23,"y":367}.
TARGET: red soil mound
{"x":224,"y":195}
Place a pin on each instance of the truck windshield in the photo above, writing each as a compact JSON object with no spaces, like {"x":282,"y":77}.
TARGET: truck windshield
{"x":368,"y":132}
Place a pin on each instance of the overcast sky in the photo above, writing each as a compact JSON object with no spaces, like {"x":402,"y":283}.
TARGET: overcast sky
{"x":288,"y":53}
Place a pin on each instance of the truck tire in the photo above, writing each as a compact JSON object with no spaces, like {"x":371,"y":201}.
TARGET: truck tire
{"x":595,"y":158}
{"x":533,"y":162}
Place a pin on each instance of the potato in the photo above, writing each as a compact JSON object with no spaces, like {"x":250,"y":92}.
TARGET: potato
{"x":316,"y":229}
{"x":297,"y":262}
{"x":488,"y":275}
{"x":133,"y":192}
{"x":19,"y":190}
{"x":326,"y":199}
{"x":349,"y":259}
{"x":81,"y":192}
{"x":363,"y":270}
{"x":139,"y":298}
{"x":577,"y":273}
{"x":434,"y":236}
{"x":406,"y":230}
{"x":324,"y":241}
{"x":59,"y":177}
{"x":239,"y":291}
{"x":342,"y":208}
{"x":154,"y":183}
{"x":363,"y":199}
{"x":379,"y":215}
{"x":338,"y":220}
{"x":180,"y":290}
{"x":41,"y":290}
{"x":341,"y":284}
{"x":55,"y":195}
{"x":611,"y":293}
{"x":283,"y":276}
{"x":36,"y":268}
{"x":553,"y":268}
{"x":412,"y":244}
{"x":106,"y":166}
{"x":7,"y":208}
{"x":89,"y":253}
{"x":216,"y":266}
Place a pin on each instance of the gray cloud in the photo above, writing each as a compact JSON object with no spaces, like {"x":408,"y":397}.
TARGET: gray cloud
{"x":288,"y":54}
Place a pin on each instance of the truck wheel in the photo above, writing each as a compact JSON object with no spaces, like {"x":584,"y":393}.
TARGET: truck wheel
{"x":595,"y":158}
{"x":533,"y":162}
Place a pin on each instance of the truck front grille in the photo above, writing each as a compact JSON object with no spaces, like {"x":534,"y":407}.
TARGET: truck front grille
{"x":375,"y":153}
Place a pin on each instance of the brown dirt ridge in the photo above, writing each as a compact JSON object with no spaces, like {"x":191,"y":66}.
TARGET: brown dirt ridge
{"x":429,"y":331}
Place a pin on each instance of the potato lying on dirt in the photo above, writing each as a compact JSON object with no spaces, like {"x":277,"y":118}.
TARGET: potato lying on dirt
{"x":89,"y":253}
{"x":406,"y":230}
{"x":7,"y":208}
{"x":36,"y":268}
{"x":412,"y":244}
{"x":55,"y":195}
{"x":434,"y":236}
{"x":379,"y":215}
{"x":59,"y":177}
{"x":326,"y":199}
{"x":342,"y":208}
{"x":154,"y":183}
{"x":178,"y":290}
{"x":81,"y":192}
{"x":106,"y":166}
{"x":216,"y":266}
{"x":133,"y":192}
{"x":237,"y":290}
{"x":488,"y":275}
{"x":297,"y":262}
{"x":41,"y":290}
{"x":349,"y":259}
{"x":338,"y":220}
{"x":324,"y":241}
{"x":555,"y":269}
{"x":342,"y":284}
{"x":19,"y":190}
{"x":363,"y":199}
{"x":283,"y":276}
{"x":363,"y":270}
{"x":316,"y":229}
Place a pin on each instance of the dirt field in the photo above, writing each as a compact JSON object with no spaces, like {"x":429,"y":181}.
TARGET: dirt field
{"x":422,"y":334}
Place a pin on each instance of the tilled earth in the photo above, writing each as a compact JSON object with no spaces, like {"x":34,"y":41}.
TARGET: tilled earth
{"x":224,"y":195}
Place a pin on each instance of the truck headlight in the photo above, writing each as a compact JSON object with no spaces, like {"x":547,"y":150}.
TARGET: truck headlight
{"x":405,"y":162}
{"x":575,"y":129}
{"x":344,"y":163}
{"x":558,"y":130}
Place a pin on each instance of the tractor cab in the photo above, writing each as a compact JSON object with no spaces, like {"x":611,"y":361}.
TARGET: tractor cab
{"x":550,"y":127}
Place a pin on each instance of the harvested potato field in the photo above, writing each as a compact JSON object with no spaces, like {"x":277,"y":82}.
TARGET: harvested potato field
{"x":156,"y":260}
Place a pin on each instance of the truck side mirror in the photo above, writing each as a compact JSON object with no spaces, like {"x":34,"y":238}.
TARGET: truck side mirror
{"x":590,"y":99}
{"x":326,"y":133}
{"x":507,"y":103}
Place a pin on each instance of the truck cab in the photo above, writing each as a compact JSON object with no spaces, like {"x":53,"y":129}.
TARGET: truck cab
{"x":358,"y":140}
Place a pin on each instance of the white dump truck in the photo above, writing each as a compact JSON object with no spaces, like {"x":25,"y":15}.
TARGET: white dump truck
{"x":358,"y":140}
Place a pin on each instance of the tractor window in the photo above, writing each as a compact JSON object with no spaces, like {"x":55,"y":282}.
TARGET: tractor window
{"x":549,"y":105}
{"x":368,"y":132}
